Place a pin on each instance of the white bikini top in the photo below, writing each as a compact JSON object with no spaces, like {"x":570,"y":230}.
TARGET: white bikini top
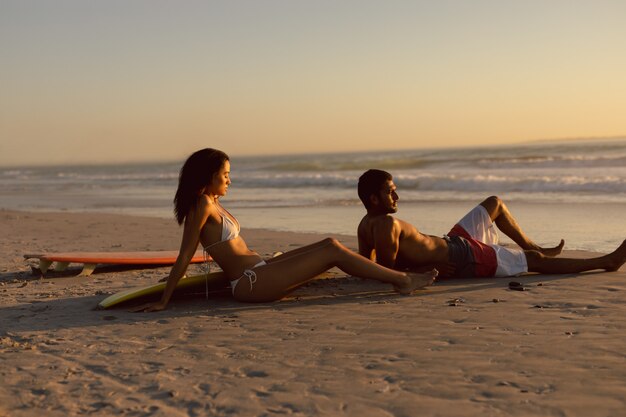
{"x":230,"y":229}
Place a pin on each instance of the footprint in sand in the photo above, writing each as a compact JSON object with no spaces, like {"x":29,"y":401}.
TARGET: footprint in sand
{"x":206,"y":390}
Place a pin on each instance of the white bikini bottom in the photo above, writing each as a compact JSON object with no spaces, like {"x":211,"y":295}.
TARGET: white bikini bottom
{"x":248,"y":273}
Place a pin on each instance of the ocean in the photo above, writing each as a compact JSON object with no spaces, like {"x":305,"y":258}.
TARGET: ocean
{"x":574,"y":190}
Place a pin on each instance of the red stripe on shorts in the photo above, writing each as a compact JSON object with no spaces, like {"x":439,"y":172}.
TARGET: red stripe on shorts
{"x":486,"y":262}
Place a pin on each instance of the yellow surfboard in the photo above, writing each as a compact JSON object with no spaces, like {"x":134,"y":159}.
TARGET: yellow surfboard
{"x":213,"y":281}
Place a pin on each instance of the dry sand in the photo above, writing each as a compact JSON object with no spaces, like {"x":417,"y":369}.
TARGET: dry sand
{"x":336,"y":347}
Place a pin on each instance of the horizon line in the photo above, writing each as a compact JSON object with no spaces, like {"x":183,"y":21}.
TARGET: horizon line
{"x":321,"y":153}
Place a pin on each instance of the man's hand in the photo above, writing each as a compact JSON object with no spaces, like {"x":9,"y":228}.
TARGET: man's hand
{"x":445,"y":269}
{"x":150,"y":307}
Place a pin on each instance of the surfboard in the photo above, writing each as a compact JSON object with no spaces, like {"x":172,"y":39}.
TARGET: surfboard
{"x":91,"y":260}
{"x":213,"y":281}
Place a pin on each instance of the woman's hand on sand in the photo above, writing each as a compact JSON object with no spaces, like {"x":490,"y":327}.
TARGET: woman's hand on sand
{"x":150,"y":307}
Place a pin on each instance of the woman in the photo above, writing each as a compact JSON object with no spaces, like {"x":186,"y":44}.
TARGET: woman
{"x":204,"y":178}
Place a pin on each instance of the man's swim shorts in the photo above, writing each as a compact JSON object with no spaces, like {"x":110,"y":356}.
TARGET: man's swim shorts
{"x":474,"y":250}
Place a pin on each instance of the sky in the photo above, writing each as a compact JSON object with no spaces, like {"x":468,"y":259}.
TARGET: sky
{"x":87,"y":81}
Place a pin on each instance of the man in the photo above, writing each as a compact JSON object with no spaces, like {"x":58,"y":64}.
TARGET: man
{"x":470,"y":249}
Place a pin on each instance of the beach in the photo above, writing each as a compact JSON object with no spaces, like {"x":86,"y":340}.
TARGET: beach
{"x":119,"y":118}
{"x":337,"y":346}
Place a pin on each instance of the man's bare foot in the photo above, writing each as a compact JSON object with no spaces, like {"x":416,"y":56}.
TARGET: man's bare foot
{"x":551,"y":252}
{"x":417,"y":281}
{"x":617,"y":258}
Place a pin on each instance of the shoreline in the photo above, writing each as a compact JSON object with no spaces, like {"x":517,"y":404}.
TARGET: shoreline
{"x":545,"y":223}
{"x":337,"y":346}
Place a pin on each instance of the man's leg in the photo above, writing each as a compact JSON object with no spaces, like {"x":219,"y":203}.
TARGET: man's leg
{"x":537,"y":262}
{"x":502,"y":217}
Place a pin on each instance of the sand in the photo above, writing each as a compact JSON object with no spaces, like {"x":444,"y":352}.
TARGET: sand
{"x":336,"y":347}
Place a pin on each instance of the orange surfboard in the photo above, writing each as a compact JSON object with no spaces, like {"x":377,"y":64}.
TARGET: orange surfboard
{"x":91,"y":260}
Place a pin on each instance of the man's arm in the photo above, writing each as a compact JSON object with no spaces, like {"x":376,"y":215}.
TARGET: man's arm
{"x":386,"y":241}
{"x":365,"y":249}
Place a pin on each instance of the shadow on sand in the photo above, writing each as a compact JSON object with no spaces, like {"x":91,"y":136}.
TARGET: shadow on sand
{"x":80,"y":312}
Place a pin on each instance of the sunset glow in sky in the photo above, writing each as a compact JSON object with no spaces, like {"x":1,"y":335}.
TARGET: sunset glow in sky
{"x":116,"y":81}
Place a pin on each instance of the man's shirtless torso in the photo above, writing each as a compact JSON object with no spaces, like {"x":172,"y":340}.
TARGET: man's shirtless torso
{"x":397,"y":244}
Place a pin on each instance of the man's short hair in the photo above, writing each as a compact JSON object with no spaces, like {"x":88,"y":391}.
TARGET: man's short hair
{"x":371,"y":182}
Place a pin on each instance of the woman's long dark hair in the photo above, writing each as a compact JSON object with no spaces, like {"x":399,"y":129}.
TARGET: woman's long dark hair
{"x":196,"y":173}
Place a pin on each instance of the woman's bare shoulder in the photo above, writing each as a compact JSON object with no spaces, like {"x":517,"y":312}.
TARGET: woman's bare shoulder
{"x":205,"y":202}
{"x":203,"y":208}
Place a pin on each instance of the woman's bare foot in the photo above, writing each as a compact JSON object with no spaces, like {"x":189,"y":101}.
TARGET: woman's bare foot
{"x":617,"y":258}
{"x":417,"y":281}
{"x":551,"y":252}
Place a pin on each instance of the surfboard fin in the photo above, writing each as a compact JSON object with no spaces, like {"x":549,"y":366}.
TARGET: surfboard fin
{"x":44,"y":265}
{"x":87,"y":270}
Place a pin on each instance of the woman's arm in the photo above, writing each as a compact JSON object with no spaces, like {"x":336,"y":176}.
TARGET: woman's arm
{"x":194,"y":223}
